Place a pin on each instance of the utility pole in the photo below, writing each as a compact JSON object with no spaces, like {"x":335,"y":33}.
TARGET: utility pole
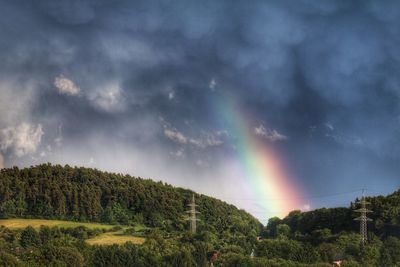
{"x":192,"y":215}
{"x":363,"y":219}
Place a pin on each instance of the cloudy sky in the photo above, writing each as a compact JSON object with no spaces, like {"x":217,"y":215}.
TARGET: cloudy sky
{"x":136,"y":87}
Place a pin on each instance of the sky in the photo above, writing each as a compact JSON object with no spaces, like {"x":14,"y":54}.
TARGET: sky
{"x":268,"y":105}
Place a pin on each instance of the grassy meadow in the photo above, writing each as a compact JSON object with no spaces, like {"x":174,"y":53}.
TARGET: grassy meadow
{"x":107,"y":238}
{"x":110,"y":238}
{"x":36,"y":223}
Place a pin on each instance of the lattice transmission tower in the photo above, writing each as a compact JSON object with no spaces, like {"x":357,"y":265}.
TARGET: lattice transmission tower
{"x":193,"y":215}
{"x":363,"y":219}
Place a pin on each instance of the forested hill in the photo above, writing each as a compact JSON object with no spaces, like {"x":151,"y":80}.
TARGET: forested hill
{"x":385,"y":214}
{"x":83,"y":194}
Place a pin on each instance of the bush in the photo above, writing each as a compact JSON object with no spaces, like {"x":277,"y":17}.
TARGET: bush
{"x":29,"y":237}
{"x":7,"y":259}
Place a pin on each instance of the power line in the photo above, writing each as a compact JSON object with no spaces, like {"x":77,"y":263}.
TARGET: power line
{"x":303,"y":197}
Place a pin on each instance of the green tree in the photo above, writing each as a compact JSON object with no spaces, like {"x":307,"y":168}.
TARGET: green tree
{"x":390,"y":252}
{"x":283,"y":231}
{"x":200,"y":253}
{"x":7,"y":259}
{"x":69,"y":256}
{"x":29,"y":237}
{"x":44,"y":234}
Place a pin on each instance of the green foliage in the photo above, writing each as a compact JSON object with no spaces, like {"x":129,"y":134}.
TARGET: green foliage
{"x":45,"y":234}
{"x":350,"y":244}
{"x":307,"y":226}
{"x":390,"y":252}
{"x":29,"y":237}
{"x":283,"y":231}
{"x":155,"y":211}
{"x":53,"y":255}
{"x":286,"y":249}
{"x":7,"y":259}
{"x":330,"y":252}
{"x":82,"y":194}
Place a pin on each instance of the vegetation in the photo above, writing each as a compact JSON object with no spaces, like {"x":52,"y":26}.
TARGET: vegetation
{"x":111,"y":238}
{"x":36,"y":223}
{"x":153,"y":230}
{"x":88,"y":195}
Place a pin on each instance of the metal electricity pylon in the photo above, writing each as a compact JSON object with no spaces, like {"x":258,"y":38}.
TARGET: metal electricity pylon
{"x":192,"y":215}
{"x":363,"y":219}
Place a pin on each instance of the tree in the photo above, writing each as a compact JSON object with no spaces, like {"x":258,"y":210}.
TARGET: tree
{"x":53,"y":255}
{"x":390,"y":252}
{"x":29,"y":237}
{"x":45,"y":234}
{"x":7,"y":259}
{"x":271,"y":227}
{"x":283,"y":231}
{"x":183,"y":258}
{"x":200,"y":253}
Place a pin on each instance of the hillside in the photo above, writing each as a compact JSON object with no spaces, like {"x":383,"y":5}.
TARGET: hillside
{"x":82,"y":194}
{"x":152,"y":216}
{"x":385,"y":215}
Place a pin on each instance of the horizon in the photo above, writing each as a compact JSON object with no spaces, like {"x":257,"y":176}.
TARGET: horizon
{"x":271,"y":107}
{"x":363,"y":191}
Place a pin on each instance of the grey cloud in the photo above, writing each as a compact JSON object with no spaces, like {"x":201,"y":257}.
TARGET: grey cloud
{"x":175,"y":135}
{"x":22,"y":139}
{"x":72,"y":12}
{"x":290,"y":65}
{"x":202,"y":141}
{"x":271,"y":135}
{"x":1,"y":161}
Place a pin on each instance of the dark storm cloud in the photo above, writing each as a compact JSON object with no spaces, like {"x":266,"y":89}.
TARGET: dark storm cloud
{"x":324,"y":74}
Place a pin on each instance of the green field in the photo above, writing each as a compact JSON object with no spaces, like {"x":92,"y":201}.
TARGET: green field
{"x":114,"y":238}
{"x":108,"y":238}
{"x":36,"y":223}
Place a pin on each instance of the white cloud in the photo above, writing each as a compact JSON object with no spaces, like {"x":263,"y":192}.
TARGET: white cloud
{"x":58,"y":141}
{"x":66,"y":86}
{"x":175,"y":135}
{"x":16,"y":100}
{"x":207,"y":140}
{"x":109,"y":98}
{"x":171,"y":95}
{"x":346,"y":140}
{"x":212,"y":85}
{"x":180,"y":153}
{"x":22,"y":139}
{"x":203,"y":141}
{"x":329,"y":126}
{"x":306,"y":207}
{"x":271,"y":135}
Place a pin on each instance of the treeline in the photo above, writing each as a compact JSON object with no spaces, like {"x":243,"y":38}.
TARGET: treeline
{"x":82,"y":194}
{"x":316,"y":238}
{"x":66,"y":247}
{"x":385,"y":214}
{"x":333,"y":234}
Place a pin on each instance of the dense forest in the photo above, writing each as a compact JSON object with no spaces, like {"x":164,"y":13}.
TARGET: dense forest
{"x":82,"y":194}
{"x":226,"y":236}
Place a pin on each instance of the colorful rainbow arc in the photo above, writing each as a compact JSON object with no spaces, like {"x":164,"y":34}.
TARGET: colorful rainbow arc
{"x":259,"y":163}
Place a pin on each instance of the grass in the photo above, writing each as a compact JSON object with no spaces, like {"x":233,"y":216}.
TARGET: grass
{"x":111,"y":238}
{"x":36,"y":223}
{"x":108,"y":238}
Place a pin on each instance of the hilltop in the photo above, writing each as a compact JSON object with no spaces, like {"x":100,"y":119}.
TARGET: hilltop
{"x":90,"y":195}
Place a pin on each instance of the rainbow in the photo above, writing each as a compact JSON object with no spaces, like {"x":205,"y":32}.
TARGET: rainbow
{"x":260,"y":165}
